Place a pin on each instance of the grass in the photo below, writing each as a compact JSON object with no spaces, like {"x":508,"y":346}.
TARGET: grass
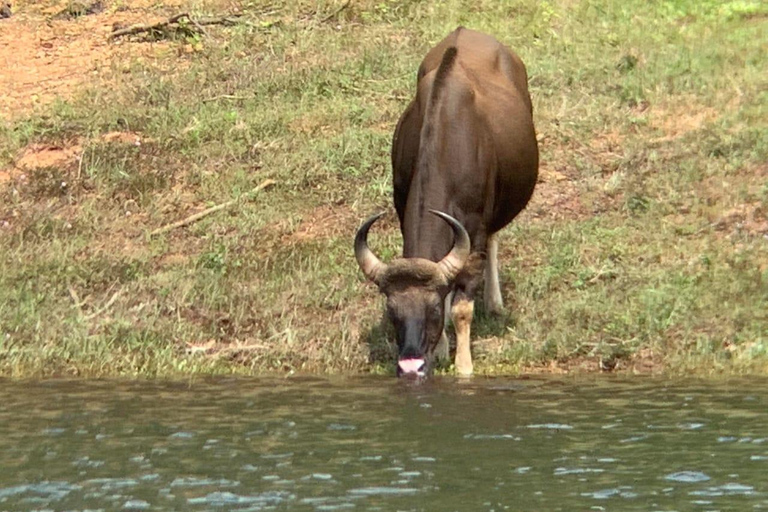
{"x":645,"y":248}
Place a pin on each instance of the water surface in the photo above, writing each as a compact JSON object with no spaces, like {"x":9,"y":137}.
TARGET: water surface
{"x":376,"y":444}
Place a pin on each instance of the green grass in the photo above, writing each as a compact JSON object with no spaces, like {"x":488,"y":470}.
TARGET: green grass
{"x":645,"y":246}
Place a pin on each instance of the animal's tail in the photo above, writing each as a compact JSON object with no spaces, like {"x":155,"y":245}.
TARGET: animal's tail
{"x":429,"y":136}
{"x":449,"y":57}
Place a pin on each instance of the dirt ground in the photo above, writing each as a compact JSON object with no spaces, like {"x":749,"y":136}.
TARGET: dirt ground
{"x":45,"y":55}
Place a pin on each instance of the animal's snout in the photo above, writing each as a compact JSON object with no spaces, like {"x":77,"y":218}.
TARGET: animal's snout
{"x":411,"y":366}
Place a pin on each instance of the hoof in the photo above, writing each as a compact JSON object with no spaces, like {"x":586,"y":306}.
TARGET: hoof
{"x":464,"y":368}
{"x":464,"y":372}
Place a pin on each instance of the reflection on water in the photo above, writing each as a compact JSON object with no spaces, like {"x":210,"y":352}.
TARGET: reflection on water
{"x":377,"y":444}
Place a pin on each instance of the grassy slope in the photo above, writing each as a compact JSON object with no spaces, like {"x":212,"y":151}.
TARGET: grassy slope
{"x":644,"y":245}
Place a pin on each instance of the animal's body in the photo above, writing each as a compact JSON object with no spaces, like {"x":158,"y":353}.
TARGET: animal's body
{"x":465,"y":146}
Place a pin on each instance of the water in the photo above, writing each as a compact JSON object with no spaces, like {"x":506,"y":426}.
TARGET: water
{"x":381,"y":445}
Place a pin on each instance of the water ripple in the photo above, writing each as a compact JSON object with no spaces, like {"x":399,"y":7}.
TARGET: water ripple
{"x":374,"y":491}
{"x":576,"y":471}
{"x":482,"y":437}
{"x":341,"y":427}
{"x":199,"y":482}
{"x":550,"y":426}
{"x":687,"y":477}
{"x":603,"y":494}
{"x":728,"y":489}
{"x":327,"y":447}
{"x":51,"y":490}
{"x":222,"y":499}
{"x":136,"y":505}
{"x":182,"y":435}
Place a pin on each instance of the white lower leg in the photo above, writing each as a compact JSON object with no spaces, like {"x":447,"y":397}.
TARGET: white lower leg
{"x":493,"y":301}
{"x":462,"y":312}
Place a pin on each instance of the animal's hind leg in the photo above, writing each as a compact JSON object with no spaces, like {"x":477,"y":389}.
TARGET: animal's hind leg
{"x":462,"y":311}
{"x":492,"y":296}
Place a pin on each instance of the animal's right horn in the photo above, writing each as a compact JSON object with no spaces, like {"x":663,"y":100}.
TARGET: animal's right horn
{"x":454,"y":261}
{"x":373,"y":268}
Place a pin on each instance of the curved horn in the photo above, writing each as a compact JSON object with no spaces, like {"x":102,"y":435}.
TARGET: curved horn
{"x":373,"y":268}
{"x":454,"y":261}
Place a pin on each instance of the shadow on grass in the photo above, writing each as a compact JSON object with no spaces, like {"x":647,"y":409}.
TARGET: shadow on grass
{"x":381,"y":346}
{"x":486,"y":324}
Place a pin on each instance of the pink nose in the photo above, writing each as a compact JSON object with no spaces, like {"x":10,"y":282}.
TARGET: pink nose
{"x":411,"y":366}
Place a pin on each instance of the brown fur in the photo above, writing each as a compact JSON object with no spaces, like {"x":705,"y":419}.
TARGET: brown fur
{"x":404,"y":273}
{"x":469,"y":151}
{"x":465,"y":146}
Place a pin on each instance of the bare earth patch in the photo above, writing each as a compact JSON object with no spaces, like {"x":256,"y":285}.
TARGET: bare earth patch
{"x":556,"y":197}
{"x":751,"y":218}
{"x":52,"y":58}
{"x":331,"y":221}
{"x":122,"y":138}
{"x":325,"y":221}
{"x":681,"y":118}
{"x":41,"y":156}
{"x":733,"y":210}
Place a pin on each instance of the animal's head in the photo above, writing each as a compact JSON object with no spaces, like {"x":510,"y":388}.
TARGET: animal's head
{"x":416,"y":289}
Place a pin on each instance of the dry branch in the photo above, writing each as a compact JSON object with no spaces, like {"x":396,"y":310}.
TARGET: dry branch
{"x":215,"y":350}
{"x":76,"y":299}
{"x":173,"y":23}
{"x":336,"y":12}
{"x":105,"y":307}
{"x":194,"y":218}
{"x":227,"y":97}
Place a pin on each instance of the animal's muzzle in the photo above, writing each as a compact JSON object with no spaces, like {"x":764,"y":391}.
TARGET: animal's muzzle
{"x":413,"y":366}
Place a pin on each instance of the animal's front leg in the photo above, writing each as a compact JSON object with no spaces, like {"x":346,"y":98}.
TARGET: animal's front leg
{"x":462,"y":312}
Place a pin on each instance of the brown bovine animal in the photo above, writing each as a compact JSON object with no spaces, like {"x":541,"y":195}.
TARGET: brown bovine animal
{"x":465,"y":162}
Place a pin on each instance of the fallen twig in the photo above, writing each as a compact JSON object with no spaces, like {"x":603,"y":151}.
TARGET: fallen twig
{"x":230,"y":19}
{"x":227,"y":97}
{"x":173,"y":23}
{"x":105,"y":307}
{"x":240,"y":348}
{"x":199,"y":27}
{"x":336,"y":12}
{"x":76,"y":299}
{"x":194,"y":218}
{"x":212,"y":349}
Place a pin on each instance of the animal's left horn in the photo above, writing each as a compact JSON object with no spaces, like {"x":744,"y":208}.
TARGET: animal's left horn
{"x":373,"y":268}
{"x":454,"y":261}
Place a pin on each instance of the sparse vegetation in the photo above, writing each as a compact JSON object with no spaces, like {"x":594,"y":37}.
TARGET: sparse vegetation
{"x":645,"y":247}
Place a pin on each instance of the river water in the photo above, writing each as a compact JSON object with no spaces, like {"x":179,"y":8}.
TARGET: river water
{"x":378,"y":444}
